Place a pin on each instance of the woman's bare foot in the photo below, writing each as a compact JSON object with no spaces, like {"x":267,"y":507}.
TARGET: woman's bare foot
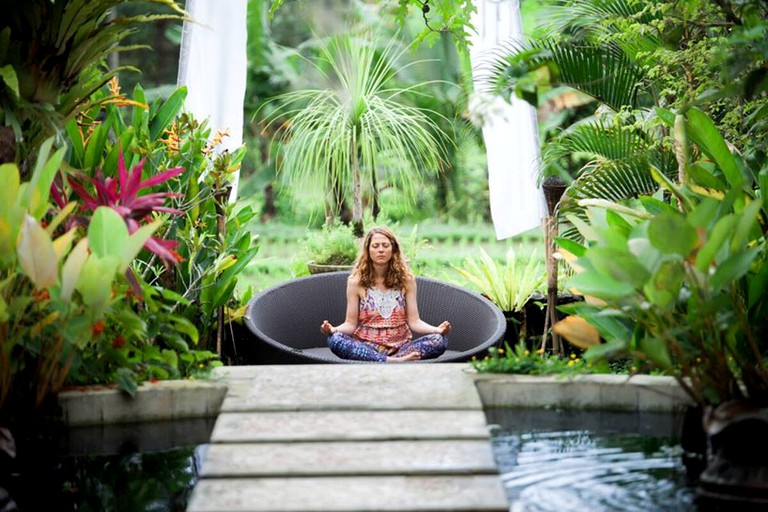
{"x":412,"y":356}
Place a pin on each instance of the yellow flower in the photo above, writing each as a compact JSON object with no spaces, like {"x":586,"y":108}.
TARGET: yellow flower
{"x":540,"y":351}
{"x":114,"y":86}
{"x":527,"y":352}
{"x":570,"y":363}
{"x":573,"y":356}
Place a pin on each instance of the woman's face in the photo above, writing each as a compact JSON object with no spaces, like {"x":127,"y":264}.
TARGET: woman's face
{"x":380,"y":249}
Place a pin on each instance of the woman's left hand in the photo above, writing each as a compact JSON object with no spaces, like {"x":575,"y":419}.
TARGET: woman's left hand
{"x":444,"y":328}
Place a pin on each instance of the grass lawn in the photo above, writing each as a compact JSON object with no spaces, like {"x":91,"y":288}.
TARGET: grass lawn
{"x":442,"y":245}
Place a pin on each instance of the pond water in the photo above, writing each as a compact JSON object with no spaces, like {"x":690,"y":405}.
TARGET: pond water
{"x":594,"y":461}
{"x":138,"y":467}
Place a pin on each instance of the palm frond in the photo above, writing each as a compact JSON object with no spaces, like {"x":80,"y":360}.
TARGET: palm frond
{"x":619,"y":167}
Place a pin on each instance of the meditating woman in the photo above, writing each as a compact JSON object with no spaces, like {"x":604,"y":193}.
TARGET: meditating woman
{"x":382,"y":314}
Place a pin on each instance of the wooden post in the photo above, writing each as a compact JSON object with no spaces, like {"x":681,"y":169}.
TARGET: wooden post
{"x":553,"y":187}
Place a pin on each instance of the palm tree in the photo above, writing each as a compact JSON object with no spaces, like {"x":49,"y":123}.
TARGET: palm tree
{"x":585,"y":49}
{"x":633,"y":56}
{"x":341,"y":136}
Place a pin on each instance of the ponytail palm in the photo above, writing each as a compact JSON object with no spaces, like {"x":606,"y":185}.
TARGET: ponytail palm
{"x":340,"y":137}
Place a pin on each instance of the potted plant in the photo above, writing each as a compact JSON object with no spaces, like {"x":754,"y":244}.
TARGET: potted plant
{"x":510,"y":285}
{"x":681,"y":284}
{"x":332,"y":248}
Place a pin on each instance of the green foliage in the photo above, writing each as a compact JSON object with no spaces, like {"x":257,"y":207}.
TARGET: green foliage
{"x":684,"y":286}
{"x":523,"y":361}
{"x":510,"y":284}
{"x":210,"y":237}
{"x":334,"y":244}
{"x":58,"y":285}
{"x":51,"y":61}
{"x":340,"y":137}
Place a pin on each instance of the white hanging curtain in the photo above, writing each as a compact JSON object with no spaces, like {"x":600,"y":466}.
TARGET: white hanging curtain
{"x":510,"y":130}
{"x":213,"y":66}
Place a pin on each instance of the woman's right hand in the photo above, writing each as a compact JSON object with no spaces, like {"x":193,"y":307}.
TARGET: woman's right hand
{"x":326,"y":327}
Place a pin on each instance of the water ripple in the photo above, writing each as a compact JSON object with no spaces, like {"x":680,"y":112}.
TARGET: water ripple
{"x":574,"y":470}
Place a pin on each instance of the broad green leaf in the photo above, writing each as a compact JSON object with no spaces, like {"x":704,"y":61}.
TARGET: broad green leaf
{"x":75,"y":141}
{"x":167,"y":113}
{"x":656,"y":351}
{"x":129,"y":248}
{"x":717,"y":245}
{"x":671,"y":233}
{"x":95,"y":282}
{"x":663,"y":289}
{"x":70,"y":272}
{"x":11,"y":81}
{"x":705,"y":134}
{"x":571,"y":246}
{"x":758,"y":284}
{"x":747,"y":222}
{"x":94,"y":149}
{"x":645,"y":253}
{"x":37,"y":255}
{"x":619,"y":265}
{"x":185,"y":326}
{"x":733,"y":268}
{"x":39,"y":189}
{"x":672,"y":187}
{"x":655,"y":206}
{"x":600,"y":286}
{"x":607,"y":350}
{"x":123,"y":142}
{"x":107,"y":232}
{"x":9,"y":188}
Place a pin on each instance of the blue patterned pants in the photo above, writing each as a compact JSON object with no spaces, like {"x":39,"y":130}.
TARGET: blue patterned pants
{"x":428,"y":346}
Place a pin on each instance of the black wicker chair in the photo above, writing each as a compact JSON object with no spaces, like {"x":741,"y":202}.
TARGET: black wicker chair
{"x":286,"y":318}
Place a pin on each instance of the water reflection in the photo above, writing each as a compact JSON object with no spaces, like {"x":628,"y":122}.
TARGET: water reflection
{"x":596,"y":461}
{"x":137,"y":467}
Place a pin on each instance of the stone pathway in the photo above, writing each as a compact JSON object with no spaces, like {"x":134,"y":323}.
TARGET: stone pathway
{"x":404,"y":437}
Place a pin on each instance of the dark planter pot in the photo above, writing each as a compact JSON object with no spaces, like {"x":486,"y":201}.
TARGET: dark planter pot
{"x":315,"y":268}
{"x":529,"y":322}
{"x":736,"y":472}
{"x":725,"y":452}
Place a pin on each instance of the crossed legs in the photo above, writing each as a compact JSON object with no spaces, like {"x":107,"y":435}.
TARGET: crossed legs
{"x":428,"y":346}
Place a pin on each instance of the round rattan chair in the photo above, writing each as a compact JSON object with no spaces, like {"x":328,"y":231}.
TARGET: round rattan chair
{"x":285,"y":319}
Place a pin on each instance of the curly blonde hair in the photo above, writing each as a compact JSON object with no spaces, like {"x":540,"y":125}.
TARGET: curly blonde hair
{"x":397,"y":272}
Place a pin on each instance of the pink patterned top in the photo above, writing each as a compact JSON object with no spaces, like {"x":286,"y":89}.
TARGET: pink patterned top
{"x":382,"y":320}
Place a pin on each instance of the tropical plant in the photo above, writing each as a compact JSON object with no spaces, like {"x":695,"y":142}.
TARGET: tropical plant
{"x":508,"y":284}
{"x":334,"y":244}
{"x":51,"y":62}
{"x":682,"y":285}
{"x":630,"y":56}
{"x":56,"y":290}
{"x":344,"y":137}
{"x":209,"y":233}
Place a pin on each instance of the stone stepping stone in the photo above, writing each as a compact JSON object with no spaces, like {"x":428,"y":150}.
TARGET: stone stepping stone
{"x":349,"y":458}
{"x":350,"y":387}
{"x":482,"y":493}
{"x":348,"y":426}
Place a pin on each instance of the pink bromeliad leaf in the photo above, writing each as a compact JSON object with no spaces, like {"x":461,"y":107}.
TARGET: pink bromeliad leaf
{"x":122,"y":195}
